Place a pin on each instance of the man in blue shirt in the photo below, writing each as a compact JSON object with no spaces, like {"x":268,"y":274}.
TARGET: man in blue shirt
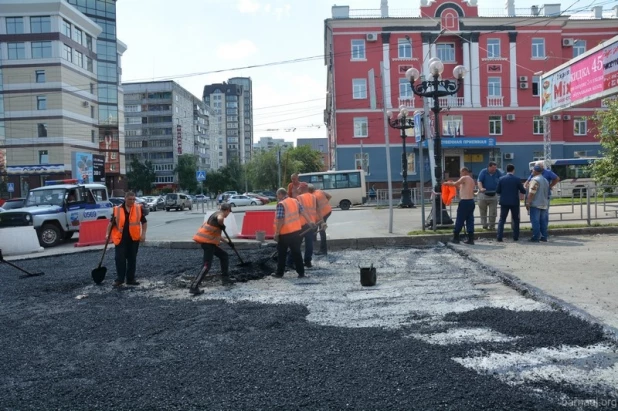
{"x":509,"y":188}
{"x":552,"y":178}
{"x":487,"y":183}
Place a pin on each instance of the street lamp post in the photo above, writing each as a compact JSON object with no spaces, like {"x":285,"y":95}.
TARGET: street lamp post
{"x":402,"y":122}
{"x":436,"y":88}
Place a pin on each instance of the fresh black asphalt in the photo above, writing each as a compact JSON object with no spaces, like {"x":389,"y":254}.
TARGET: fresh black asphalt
{"x":129,"y":350}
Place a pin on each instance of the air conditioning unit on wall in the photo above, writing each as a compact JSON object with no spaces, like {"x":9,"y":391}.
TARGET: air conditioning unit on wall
{"x":523,"y":78}
{"x":566,"y":117}
{"x":510,"y":117}
{"x":509,"y":156}
{"x":85,"y":104}
{"x":372,"y":36}
{"x":556,"y":117}
{"x":567,"y":42}
{"x":523,"y":86}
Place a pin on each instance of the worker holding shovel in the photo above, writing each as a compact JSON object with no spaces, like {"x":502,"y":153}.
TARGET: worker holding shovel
{"x":209,"y":236}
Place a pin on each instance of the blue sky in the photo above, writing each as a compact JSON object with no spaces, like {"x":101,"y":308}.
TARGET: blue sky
{"x":178,"y":40}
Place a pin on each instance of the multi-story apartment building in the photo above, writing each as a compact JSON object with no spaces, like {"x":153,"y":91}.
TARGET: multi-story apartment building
{"x":246,"y":141}
{"x":48,"y":91}
{"x":108,"y":71}
{"x":163,"y":121}
{"x":232,"y":103}
{"x":494,"y":116}
{"x":266,"y":143}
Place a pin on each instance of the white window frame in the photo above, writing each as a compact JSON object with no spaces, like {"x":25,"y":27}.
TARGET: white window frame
{"x":41,"y":102}
{"x":16,"y":24}
{"x":39,"y":76}
{"x":404,"y":49}
{"x":446,"y":52}
{"x":361,"y":127}
{"x":43,"y":155}
{"x":579,"y":47}
{"x":493,"y":48}
{"x":65,"y":28}
{"x":359,"y":89}
{"x":536,"y":80}
{"x":358,"y":50}
{"x":45,"y":48}
{"x":363,"y":162}
{"x":538,"y":125}
{"x":580,"y":126}
{"x":492,"y":88}
{"x":405,"y":89}
{"x":538,"y":48}
{"x":455,"y":123}
{"x":495,"y":125}
{"x":67,"y":53}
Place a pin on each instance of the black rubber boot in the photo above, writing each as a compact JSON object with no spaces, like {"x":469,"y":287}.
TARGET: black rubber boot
{"x":455,"y":239}
{"x":470,"y":240}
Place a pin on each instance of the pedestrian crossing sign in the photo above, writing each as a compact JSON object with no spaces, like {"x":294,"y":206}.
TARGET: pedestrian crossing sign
{"x":200,"y":175}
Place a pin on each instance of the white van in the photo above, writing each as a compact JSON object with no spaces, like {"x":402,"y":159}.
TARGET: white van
{"x":177,"y":201}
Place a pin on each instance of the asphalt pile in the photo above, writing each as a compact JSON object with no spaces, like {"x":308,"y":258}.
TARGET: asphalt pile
{"x":70,"y":345}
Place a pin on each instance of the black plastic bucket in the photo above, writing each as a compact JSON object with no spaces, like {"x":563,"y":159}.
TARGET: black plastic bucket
{"x":368,"y":276}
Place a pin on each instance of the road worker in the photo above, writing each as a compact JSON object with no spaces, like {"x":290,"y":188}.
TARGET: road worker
{"x":288,"y":227}
{"x":324,"y":211}
{"x":209,"y":237}
{"x":310,"y":206}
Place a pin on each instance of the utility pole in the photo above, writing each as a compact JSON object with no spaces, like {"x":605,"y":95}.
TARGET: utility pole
{"x":388,"y":150}
{"x":278,"y":166}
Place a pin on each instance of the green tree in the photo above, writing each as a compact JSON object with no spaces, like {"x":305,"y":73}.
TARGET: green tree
{"x":142,"y":175}
{"x":215,"y":182}
{"x":186,"y":169}
{"x":233,"y":175}
{"x":605,"y":170}
{"x":262,"y":169}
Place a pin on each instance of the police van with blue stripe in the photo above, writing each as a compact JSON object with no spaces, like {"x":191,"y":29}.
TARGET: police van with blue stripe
{"x":57,"y":210}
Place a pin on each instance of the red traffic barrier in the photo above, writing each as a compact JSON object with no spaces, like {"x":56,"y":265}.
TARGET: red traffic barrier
{"x":258,"y":221}
{"x":92,"y":232}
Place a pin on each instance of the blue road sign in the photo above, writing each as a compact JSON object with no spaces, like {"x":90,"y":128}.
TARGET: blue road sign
{"x":200,"y":175}
{"x":417,"y":127}
{"x":10,"y":187}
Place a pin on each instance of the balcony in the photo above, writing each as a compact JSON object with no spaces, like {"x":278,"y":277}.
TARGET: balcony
{"x":451,"y":101}
{"x":407,"y":102}
{"x":495,"y":101}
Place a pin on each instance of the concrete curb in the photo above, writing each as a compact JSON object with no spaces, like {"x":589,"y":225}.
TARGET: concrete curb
{"x":537,"y":294}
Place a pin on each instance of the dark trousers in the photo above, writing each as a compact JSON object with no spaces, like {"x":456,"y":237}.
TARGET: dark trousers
{"x":504,"y":212}
{"x":465,"y":214}
{"x":126,"y":260}
{"x":323,"y":235}
{"x":210,"y":251}
{"x":308,"y":237}
{"x":292,"y":242}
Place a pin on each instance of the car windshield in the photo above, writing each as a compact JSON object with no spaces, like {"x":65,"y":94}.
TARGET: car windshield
{"x":51,"y":196}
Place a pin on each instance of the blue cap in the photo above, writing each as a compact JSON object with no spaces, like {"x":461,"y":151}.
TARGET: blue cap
{"x":538,"y":168}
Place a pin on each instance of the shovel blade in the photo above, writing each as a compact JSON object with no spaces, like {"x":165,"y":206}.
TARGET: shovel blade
{"x":98,"y":274}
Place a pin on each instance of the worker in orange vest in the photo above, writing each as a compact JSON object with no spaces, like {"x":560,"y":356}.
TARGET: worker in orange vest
{"x":324,"y":211}
{"x":288,"y":227}
{"x":310,"y":206}
{"x":293,"y":186}
{"x":209,"y":237}
{"x":127,"y":228}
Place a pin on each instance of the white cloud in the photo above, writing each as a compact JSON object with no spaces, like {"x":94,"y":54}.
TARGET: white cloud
{"x":248,"y":6}
{"x":237,"y":50}
{"x":284,"y":11}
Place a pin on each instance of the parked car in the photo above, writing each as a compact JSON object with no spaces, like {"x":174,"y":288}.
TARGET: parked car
{"x":272,"y":196}
{"x":200,"y":198}
{"x":263,"y":199}
{"x":160,"y":203}
{"x":1,"y":209}
{"x":177,"y":201}
{"x":13,"y":203}
{"x":241,"y":200}
{"x":151,"y":202}
{"x":116,"y":201}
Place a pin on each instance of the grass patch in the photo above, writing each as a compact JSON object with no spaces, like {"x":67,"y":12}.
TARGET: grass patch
{"x":507,"y":228}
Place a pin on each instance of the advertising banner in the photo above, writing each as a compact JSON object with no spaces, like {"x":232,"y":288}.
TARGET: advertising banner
{"x":591,"y":76}
{"x":82,"y":167}
{"x":98,"y":168}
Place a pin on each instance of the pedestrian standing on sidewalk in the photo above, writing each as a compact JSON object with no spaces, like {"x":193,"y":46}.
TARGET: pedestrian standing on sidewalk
{"x":127,"y":229}
{"x":509,"y":188}
{"x":209,"y":237}
{"x":488,"y":183}
{"x":551,"y":177}
{"x":287,"y":232}
{"x":465,"y":209}
{"x":537,"y":202}
{"x":324,"y":211}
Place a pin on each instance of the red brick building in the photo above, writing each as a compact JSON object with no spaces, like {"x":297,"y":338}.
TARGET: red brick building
{"x":495,"y":115}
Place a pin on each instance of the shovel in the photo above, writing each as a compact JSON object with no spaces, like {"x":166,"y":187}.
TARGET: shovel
{"x":27,"y":274}
{"x":242,"y":263}
{"x":274,"y":255}
{"x":98,"y":274}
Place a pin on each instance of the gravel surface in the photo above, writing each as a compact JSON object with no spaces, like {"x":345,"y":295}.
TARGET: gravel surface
{"x":266,"y":343}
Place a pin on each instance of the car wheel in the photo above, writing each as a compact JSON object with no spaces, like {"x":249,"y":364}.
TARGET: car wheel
{"x":253,"y":203}
{"x":50,"y":235}
{"x":68,"y":235}
{"x":167,"y":209}
{"x":345,"y":204}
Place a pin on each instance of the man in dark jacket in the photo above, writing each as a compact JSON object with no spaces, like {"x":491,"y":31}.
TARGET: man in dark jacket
{"x":509,"y":188}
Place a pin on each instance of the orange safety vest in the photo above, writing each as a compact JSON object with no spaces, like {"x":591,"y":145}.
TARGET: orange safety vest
{"x":323,"y":203}
{"x":208,"y":232}
{"x":135,"y":227}
{"x":448,"y":194}
{"x":291,"y":219}
{"x":310,"y":204}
